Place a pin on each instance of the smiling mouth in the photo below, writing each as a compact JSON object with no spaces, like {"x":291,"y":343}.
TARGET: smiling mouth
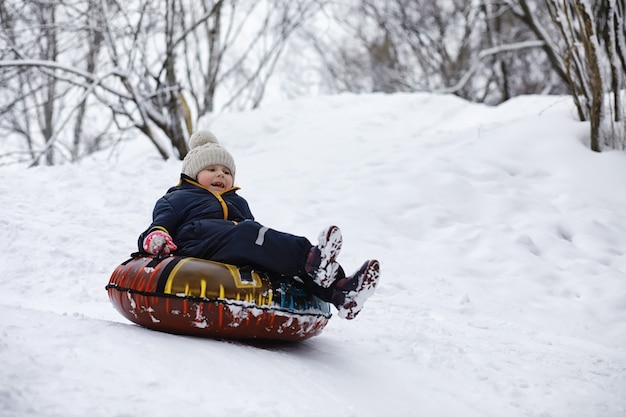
{"x":218,"y":184}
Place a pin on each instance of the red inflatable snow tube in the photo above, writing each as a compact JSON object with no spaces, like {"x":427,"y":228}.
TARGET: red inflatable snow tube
{"x":191,"y":296}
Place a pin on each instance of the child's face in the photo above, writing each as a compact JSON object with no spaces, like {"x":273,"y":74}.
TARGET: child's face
{"x":215,"y":178}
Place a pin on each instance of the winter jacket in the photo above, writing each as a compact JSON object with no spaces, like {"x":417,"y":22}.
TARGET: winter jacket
{"x":221,"y":227}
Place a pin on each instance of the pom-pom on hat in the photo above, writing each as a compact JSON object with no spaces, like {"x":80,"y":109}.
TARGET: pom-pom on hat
{"x":205,"y":150}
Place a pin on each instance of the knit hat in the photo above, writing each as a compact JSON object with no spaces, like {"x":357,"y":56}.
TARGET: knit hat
{"x":205,"y":150}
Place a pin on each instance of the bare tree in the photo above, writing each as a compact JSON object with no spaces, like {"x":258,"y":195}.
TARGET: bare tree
{"x":588,"y":50}
{"x":93,"y":41}
{"x":148,"y":65}
{"x":610,"y":18}
{"x":477,"y":50}
{"x":36,"y":103}
{"x":246,"y":40}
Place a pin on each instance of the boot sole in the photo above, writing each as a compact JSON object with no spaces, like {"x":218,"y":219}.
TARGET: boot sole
{"x":355,"y":300}
{"x":330,"y":245}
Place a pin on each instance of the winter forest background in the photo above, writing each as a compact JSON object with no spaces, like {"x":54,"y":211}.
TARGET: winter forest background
{"x":77,"y":76}
{"x":442,"y":136}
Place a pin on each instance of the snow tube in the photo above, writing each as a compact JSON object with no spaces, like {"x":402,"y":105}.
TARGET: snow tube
{"x":190,"y":296}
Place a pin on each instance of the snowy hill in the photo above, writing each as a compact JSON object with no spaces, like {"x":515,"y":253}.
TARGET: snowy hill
{"x":502,"y":242}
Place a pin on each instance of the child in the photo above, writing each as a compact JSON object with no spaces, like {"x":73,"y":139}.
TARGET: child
{"x":204,"y":217}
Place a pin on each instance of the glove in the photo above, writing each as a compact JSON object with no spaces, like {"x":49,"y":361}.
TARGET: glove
{"x":159,"y":242}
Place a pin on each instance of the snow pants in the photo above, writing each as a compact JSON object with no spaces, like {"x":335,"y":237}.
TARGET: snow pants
{"x":250,"y":243}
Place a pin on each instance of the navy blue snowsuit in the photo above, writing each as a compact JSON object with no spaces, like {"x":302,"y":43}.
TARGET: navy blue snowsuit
{"x":221,"y":227}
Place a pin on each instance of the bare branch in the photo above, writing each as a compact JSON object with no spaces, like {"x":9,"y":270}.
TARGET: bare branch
{"x":487,"y":53}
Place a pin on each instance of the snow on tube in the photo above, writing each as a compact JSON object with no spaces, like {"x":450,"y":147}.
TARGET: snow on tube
{"x":191,"y":296}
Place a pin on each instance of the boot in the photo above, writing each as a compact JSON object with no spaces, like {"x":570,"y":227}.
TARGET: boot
{"x":320,"y":264}
{"x":350,"y":293}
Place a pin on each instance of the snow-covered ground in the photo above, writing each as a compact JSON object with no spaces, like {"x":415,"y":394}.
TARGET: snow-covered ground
{"x":502,"y":242}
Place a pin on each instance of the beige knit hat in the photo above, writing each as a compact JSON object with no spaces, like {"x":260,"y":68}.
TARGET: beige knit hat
{"x":205,"y":150}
